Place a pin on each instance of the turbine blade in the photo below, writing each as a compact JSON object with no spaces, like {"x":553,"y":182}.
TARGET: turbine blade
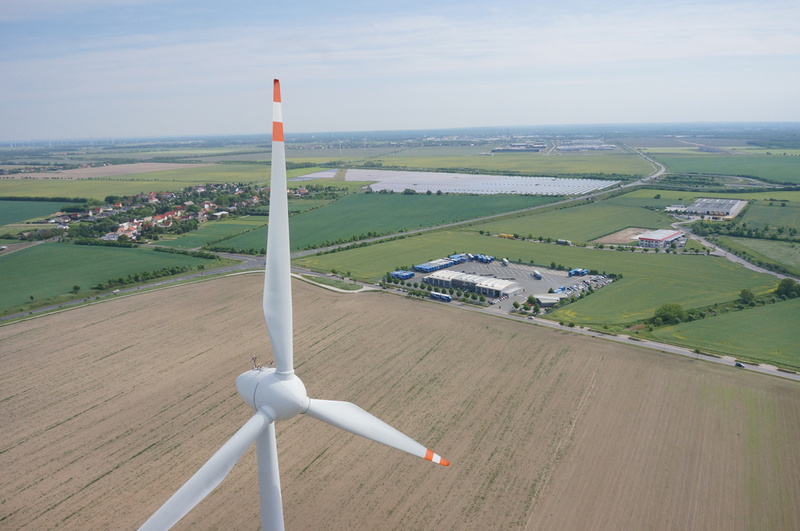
{"x":269,"y":480}
{"x":209,"y":476}
{"x":277,"y":277}
{"x":352,"y":418}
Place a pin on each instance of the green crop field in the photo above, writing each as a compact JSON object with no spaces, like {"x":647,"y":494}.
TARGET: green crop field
{"x":650,"y":279}
{"x":765,"y":334}
{"x":136,"y":183}
{"x":685,"y":198}
{"x":358,"y":214}
{"x":214,"y":231}
{"x":581,"y":223}
{"x":588,"y":163}
{"x":16,"y":211}
{"x":778,"y":168}
{"x":786,"y":254}
{"x":762,"y":213}
{"x":48,"y":271}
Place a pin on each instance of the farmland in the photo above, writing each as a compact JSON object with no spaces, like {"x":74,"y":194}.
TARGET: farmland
{"x":358,"y":214}
{"x":16,"y":211}
{"x":215,"y":231}
{"x":529,"y":163}
{"x":581,"y":224}
{"x":136,"y":403}
{"x":766,"y":334}
{"x":48,"y":271}
{"x":135,"y":183}
{"x":776,"y":168}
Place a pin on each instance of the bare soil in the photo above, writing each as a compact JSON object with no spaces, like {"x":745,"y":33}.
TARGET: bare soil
{"x":113,"y":170}
{"x":622,"y":237}
{"x":108,"y":409}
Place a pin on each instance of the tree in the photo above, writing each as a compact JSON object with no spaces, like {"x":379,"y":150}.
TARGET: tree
{"x":516,"y":305}
{"x":747,"y":296}
{"x":788,"y":288}
{"x":76,"y":288}
{"x":670,"y":313}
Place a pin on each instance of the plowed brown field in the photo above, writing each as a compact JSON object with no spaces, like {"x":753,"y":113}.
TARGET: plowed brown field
{"x":107,"y":409}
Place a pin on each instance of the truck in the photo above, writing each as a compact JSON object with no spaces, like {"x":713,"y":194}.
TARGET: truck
{"x":536,"y":274}
{"x":505,"y":261}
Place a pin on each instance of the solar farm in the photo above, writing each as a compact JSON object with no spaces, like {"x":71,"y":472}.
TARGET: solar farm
{"x":462,"y":183}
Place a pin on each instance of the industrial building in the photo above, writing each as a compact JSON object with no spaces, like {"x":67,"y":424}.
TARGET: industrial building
{"x":441,"y":263}
{"x":721,"y":208}
{"x":490,"y":287}
{"x":659,"y":239}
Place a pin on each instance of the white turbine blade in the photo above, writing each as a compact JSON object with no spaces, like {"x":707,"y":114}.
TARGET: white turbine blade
{"x":277,"y":278}
{"x":209,"y":476}
{"x":352,"y":418}
{"x":269,"y":481}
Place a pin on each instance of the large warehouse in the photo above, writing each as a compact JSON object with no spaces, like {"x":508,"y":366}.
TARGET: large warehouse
{"x":491,"y":287}
{"x":716,"y":207}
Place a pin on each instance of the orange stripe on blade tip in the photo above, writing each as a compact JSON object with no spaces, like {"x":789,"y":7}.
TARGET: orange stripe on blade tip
{"x":277,"y":131}
{"x":428,"y":455}
{"x":276,"y":91}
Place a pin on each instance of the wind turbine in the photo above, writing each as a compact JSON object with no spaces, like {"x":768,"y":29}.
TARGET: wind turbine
{"x":277,"y":394}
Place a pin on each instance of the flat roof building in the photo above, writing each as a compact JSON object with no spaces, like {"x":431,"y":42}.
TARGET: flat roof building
{"x":491,"y":287}
{"x":659,"y":238}
{"x":716,"y":207}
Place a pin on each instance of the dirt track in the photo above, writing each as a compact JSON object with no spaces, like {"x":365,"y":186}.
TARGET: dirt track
{"x":107,"y":409}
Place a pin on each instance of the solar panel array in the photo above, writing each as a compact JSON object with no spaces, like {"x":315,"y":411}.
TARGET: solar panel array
{"x":461,"y":183}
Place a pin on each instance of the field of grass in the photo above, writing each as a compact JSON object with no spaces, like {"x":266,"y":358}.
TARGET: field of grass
{"x":765,"y":334}
{"x":48,"y":271}
{"x":581,"y":223}
{"x":650,"y":279}
{"x":16,"y":211}
{"x":775,"y":168}
{"x":214,"y":231}
{"x":358,"y":214}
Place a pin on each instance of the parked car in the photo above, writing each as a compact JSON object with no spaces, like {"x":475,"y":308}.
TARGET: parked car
{"x":739,"y":364}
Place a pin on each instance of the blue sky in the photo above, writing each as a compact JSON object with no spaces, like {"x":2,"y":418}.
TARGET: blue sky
{"x":138,"y":68}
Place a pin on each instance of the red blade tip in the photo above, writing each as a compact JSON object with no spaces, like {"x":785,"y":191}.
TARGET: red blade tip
{"x":276,"y":91}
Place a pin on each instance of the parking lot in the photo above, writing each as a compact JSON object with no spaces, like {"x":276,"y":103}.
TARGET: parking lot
{"x":523,"y":274}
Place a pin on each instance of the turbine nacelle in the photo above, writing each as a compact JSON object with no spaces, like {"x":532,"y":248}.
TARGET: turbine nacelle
{"x":281,"y":396}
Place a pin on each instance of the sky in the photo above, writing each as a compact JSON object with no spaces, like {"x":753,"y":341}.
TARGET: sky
{"x":155,"y":68}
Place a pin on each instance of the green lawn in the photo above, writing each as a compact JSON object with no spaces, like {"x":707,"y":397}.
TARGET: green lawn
{"x":211,"y":231}
{"x":16,"y":211}
{"x":766,"y":334}
{"x":50,"y":270}
{"x":784,"y":169}
{"x":581,"y":223}
{"x":358,"y":214}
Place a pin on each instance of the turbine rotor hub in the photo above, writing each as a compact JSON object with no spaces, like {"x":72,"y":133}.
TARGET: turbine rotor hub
{"x":283,"y":396}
